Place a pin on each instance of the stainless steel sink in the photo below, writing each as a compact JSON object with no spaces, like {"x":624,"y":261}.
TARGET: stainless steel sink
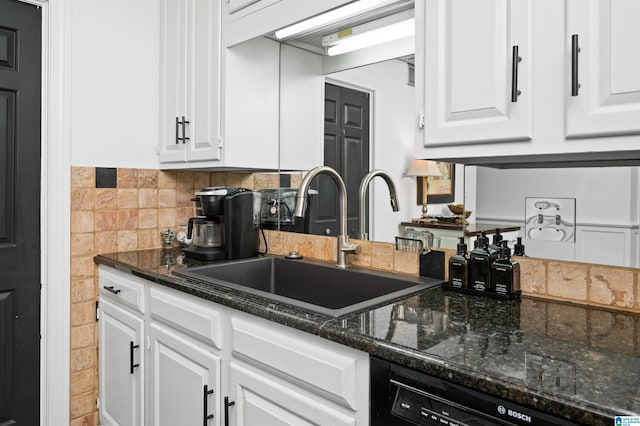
{"x":314,"y":286}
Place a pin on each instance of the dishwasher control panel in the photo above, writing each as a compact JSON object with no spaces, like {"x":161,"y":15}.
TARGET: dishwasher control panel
{"x":404,"y":396}
{"x":425,"y":409}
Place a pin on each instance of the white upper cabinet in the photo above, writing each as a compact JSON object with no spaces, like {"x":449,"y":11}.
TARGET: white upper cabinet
{"x":190,"y":34}
{"x":476,"y":58}
{"x":579,"y":80}
{"x":251,"y":105}
{"x":604,"y":60}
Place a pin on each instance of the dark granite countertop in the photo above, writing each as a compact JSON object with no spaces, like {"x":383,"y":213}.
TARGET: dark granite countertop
{"x":572,"y":361}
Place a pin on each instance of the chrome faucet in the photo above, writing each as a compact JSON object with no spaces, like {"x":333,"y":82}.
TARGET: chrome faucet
{"x":344,"y":246}
{"x":364,"y":187}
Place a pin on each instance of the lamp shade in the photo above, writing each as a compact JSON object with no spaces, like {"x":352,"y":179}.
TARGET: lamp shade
{"x":424,"y":168}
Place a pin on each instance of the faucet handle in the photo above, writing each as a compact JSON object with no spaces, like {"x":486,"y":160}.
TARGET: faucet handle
{"x":351,"y":248}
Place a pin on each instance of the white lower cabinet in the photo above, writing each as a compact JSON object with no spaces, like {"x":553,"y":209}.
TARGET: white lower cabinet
{"x":184,"y":380}
{"x":295,"y":378}
{"x":199,"y":363}
{"x":263,"y":399}
{"x":121,"y":375}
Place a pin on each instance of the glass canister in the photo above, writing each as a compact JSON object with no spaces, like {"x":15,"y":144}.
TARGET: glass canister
{"x":421,"y":235}
{"x":207,"y":233}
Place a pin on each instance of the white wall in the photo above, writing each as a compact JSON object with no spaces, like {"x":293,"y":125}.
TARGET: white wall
{"x":392,"y":139}
{"x":114,"y":83}
{"x":604,"y":196}
{"x":607,"y":215}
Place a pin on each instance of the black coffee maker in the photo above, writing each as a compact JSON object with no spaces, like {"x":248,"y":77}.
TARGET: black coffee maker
{"x":228,"y":227}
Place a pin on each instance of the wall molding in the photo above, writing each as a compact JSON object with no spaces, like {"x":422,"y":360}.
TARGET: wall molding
{"x":55,"y":214}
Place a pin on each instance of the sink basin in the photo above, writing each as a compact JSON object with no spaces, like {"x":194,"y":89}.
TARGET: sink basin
{"x":314,"y":286}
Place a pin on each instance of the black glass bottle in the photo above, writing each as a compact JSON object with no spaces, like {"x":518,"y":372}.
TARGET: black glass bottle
{"x":480,"y":261}
{"x":518,"y":248}
{"x":459,"y":267}
{"x":496,"y":240}
{"x":505,"y":272}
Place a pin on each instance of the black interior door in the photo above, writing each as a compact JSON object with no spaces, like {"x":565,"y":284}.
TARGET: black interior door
{"x":20,"y":71}
{"x":346,"y":149}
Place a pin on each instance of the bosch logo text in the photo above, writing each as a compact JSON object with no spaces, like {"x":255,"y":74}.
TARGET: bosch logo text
{"x":515,"y":414}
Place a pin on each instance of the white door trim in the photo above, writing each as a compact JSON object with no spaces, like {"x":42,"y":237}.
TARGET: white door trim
{"x":55,"y":214}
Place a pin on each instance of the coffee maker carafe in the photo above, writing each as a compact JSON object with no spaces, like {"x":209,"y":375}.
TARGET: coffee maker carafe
{"x":229,"y":227}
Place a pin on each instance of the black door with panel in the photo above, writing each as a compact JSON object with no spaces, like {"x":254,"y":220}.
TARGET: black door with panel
{"x":346,"y":149}
{"x":20,"y":94}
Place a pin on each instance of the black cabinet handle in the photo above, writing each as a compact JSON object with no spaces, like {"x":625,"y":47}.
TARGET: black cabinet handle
{"x":206,"y":414}
{"x":227,"y":404}
{"x":131,"y":364}
{"x":575,"y":49}
{"x":184,"y":130}
{"x":177,"y":130}
{"x":110,"y":289}
{"x":515,"y":60}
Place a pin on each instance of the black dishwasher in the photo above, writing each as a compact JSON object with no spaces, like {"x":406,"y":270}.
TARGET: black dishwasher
{"x":401,"y":396}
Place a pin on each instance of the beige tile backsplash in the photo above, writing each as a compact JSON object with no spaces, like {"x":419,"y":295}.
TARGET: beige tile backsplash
{"x":129,"y":217}
{"x":145,"y":202}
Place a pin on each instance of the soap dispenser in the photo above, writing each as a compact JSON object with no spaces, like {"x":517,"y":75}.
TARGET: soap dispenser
{"x":480,"y":261}
{"x":497,"y":239}
{"x":459,"y":267}
{"x":505,"y":273}
{"x":518,"y":247}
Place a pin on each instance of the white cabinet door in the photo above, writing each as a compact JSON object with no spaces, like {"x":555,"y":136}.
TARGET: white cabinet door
{"x":607,"y":102}
{"x":184,"y":380}
{"x":173,"y":90}
{"x":203,"y":59}
{"x":474,"y":88}
{"x":190,"y":34}
{"x":121,"y":366}
{"x":261,"y":399}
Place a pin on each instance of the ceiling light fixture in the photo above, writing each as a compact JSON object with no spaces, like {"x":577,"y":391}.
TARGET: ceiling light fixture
{"x":372,"y":33}
{"x":348,"y":11}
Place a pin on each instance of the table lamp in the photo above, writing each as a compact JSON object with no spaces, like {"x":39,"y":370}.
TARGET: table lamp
{"x":423,"y":169}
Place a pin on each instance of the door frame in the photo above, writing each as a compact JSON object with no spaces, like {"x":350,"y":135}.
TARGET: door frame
{"x":55,"y":213}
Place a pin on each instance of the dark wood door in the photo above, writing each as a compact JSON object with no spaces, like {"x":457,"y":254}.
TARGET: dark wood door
{"x":346,"y":149}
{"x":20,"y":71}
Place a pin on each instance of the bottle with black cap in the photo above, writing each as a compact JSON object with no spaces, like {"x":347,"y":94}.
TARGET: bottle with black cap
{"x":496,"y":240}
{"x":480,"y":261}
{"x":518,"y":248}
{"x":459,"y":267}
{"x":505,"y":272}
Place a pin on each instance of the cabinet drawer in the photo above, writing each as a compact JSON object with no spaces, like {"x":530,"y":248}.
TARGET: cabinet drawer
{"x":195,"y":317}
{"x":324,"y":367}
{"x":123,"y":287}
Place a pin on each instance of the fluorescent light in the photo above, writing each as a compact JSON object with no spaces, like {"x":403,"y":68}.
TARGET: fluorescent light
{"x":374,"y":37}
{"x":335,"y":15}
